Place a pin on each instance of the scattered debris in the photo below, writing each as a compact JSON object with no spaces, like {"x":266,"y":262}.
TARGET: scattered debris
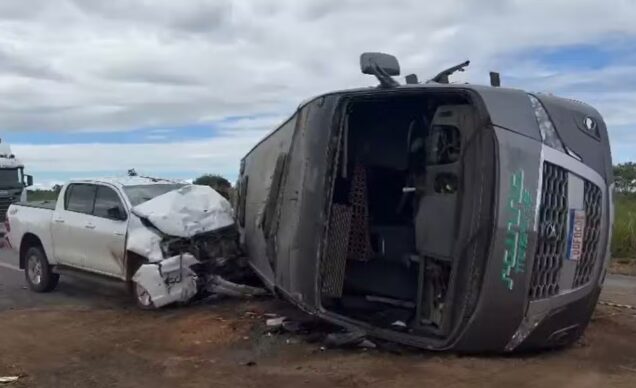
{"x":8,"y":379}
{"x":275,"y":322}
{"x":313,"y":330}
{"x":617,"y":305}
{"x":367,"y":344}
{"x":293,"y":327}
{"x":399,"y":325}
{"x":218,"y":285}
{"x":346,"y":339}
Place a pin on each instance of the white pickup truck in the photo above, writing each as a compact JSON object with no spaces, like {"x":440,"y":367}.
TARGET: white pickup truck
{"x":164,"y":239}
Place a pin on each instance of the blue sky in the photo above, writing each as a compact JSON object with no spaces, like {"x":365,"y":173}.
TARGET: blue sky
{"x":178,"y":89}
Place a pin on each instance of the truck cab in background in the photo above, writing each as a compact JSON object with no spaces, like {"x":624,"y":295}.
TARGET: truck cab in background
{"x":13,"y":181}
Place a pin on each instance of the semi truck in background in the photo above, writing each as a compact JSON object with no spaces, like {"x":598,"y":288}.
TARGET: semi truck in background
{"x":13,"y":180}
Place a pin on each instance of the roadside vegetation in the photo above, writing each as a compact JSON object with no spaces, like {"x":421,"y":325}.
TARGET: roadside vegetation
{"x":624,"y":237}
{"x":217,"y":182}
{"x":623,"y":241}
{"x":41,"y":195}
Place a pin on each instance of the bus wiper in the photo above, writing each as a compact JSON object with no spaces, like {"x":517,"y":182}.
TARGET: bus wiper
{"x":442,"y":78}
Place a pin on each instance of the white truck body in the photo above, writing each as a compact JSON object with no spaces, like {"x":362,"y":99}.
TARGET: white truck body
{"x":121,"y":228}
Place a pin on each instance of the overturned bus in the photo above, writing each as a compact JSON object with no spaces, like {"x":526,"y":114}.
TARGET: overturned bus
{"x":443,"y":216}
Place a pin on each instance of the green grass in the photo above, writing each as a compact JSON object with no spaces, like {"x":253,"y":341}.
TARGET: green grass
{"x":623,"y":240}
{"x":624,"y":237}
{"x":41,"y":195}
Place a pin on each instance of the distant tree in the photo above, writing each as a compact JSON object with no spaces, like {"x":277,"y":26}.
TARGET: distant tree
{"x":217,"y":182}
{"x":625,"y":177}
{"x":56,"y":189}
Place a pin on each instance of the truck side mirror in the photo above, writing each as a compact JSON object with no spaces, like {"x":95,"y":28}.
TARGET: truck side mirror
{"x":29,"y":180}
{"x":116,"y":213}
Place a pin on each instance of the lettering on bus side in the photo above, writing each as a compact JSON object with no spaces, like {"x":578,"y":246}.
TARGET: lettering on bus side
{"x":519,"y":221}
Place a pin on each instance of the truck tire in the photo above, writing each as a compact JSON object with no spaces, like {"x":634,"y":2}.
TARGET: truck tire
{"x":37,"y":271}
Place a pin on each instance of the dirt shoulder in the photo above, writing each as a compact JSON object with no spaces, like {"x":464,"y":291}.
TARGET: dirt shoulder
{"x":623,"y":267}
{"x":226,"y":345}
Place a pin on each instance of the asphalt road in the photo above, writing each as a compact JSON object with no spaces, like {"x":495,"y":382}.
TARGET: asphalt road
{"x":14,"y":292}
{"x":79,"y":292}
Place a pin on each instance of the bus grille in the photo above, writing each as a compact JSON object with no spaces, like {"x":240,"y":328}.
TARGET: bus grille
{"x":592,"y":199}
{"x":552,"y":236}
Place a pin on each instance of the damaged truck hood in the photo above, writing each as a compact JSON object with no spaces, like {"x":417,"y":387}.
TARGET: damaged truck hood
{"x":183,"y":215}
{"x":186,"y":212}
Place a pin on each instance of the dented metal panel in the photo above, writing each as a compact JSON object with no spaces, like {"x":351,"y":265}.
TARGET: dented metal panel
{"x":168,"y":281}
{"x":188,"y":211}
{"x":259,"y":170}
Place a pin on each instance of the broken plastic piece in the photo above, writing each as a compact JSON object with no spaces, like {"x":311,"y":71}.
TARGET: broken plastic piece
{"x":218,"y":285}
{"x":351,"y":338}
{"x":367,"y":344}
{"x":8,"y":379}
{"x":275,"y":322}
{"x":168,"y":281}
{"x":398,"y":324}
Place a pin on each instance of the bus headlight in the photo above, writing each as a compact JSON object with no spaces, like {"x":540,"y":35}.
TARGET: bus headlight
{"x":549,"y":134}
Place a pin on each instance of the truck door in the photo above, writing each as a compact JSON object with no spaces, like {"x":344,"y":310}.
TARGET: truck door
{"x":107,"y":233}
{"x":69,"y":220}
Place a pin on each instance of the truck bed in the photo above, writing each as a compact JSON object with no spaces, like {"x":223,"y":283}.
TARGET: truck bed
{"x":48,"y":204}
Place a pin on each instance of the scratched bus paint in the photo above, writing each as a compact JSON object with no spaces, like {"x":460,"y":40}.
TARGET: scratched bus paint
{"x":520,"y":210}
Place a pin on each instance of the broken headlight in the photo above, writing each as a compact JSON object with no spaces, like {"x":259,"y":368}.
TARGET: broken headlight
{"x":549,"y":134}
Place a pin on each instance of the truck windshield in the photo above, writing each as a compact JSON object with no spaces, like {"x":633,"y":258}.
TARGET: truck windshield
{"x":10,"y":178}
{"x":142,"y":193}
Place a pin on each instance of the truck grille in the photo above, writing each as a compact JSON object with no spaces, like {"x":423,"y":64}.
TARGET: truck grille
{"x":5,"y":202}
{"x":552,"y":236}
{"x":592,"y":200}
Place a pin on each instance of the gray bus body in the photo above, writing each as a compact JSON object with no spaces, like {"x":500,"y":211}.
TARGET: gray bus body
{"x":435,"y":215}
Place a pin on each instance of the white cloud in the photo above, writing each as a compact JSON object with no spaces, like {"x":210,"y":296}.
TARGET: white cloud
{"x":92,"y":65}
{"x":95,"y":65}
{"x":219,"y":154}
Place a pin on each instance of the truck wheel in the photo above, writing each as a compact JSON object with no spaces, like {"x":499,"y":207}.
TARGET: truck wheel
{"x":142,"y":297}
{"x":38,"y":272}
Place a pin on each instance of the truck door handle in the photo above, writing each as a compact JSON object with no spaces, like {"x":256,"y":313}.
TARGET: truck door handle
{"x":59,"y":221}
{"x":89,"y":226}
{"x":119,"y":234}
